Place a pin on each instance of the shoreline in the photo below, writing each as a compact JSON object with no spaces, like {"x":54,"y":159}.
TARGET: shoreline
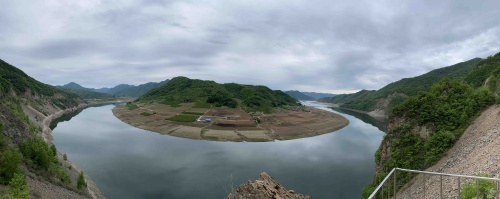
{"x":92,"y":188}
{"x":379,"y":115}
{"x":279,"y":126}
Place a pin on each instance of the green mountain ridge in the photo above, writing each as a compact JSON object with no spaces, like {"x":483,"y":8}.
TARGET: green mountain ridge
{"x":394,"y":93}
{"x":122,"y":90}
{"x":250,"y":98}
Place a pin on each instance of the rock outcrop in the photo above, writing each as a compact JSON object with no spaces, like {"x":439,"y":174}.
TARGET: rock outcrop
{"x":264,"y":187}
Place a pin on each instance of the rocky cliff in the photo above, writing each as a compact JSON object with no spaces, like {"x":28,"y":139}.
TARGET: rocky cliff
{"x":264,"y":187}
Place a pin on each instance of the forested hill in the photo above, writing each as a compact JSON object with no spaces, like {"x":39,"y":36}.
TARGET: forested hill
{"x":394,"y":93}
{"x":250,"y":98}
{"x":486,"y":73}
{"x":25,"y":104}
{"x":14,"y":83}
{"x":299,"y":95}
{"x":135,"y":91}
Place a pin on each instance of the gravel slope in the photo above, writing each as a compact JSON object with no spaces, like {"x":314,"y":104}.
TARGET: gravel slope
{"x":477,"y":151}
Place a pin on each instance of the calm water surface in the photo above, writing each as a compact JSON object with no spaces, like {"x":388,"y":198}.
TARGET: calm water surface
{"x":127,"y":162}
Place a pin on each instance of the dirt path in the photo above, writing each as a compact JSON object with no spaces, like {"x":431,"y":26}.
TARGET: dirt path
{"x":477,"y":151}
{"x":45,"y":189}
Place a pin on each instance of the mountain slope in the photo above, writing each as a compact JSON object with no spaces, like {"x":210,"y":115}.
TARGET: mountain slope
{"x":394,"y":93}
{"x":249,"y":98}
{"x":486,"y":73}
{"x":26,"y":108}
{"x":299,"y":95}
{"x":424,"y":127}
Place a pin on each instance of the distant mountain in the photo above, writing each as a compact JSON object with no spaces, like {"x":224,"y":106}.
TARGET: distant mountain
{"x":102,"y":90}
{"x":250,"y":98}
{"x":318,"y":96}
{"x":134,"y":91}
{"x":394,"y":93}
{"x":299,"y":95}
{"x":122,"y":90}
{"x":119,"y":88}
{"x":73,"y":85}
{"x":84,"y":93}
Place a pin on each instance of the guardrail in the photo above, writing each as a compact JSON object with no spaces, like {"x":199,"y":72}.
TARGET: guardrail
{"x":386,"y":189}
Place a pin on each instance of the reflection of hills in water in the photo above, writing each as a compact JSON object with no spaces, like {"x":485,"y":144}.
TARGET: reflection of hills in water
{"x":380,"y":123}
{"x":67,"y":116}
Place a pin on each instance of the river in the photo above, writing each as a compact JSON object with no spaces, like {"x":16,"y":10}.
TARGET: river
{"x":127,"y":162}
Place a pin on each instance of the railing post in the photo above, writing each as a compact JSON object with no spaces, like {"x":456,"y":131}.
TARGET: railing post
{"x":459,"y":187}
{"x":395,"y":179}
{"x":424,"y":184}
{"x":477,"y":188}
{"x":441,"y":186}
{"x":382,"y":192}
{"x":496,"y":190}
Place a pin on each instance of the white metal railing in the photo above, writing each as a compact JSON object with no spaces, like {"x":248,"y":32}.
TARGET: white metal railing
{"x":379,"y":191}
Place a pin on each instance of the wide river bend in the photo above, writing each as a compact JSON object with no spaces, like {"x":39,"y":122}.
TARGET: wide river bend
{"x":127,"y":162}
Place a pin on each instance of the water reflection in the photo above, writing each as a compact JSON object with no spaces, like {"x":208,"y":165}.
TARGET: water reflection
{"x":380,"y":123}
{"x":127,"y":162}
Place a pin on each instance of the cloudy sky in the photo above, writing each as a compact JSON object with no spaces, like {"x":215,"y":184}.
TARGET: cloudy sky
{"x":309,"y":45}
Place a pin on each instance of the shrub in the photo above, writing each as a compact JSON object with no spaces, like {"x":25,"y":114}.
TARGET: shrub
{"x":486,"y":190}
{"x":146,"y":114}
{"x":53,"y":149}
{"x":36,"y":151}
{"x":18,"y":189}
{"x":81,"y":181}
{"x":65,"y":157}
{"x":132,"y":106}
{"x":9,"y":164}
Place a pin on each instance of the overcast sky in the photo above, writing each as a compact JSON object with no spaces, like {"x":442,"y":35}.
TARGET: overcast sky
{"x":309,"y":45}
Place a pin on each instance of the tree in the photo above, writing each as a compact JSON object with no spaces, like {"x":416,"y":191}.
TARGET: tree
{"x":18,"y":189}
{"x":53,"y":149}
{"x":81,"y":181}
{"x":9,"y":164}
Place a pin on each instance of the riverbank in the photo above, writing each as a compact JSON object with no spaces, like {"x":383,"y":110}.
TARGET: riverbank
{"x":377,"y":114}
{"x":40,"y":187}
{"x":235,"y":125}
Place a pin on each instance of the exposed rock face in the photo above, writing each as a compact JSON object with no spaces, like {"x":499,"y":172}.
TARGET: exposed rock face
{"x":476,"y":152}
{"x":264,"y":187}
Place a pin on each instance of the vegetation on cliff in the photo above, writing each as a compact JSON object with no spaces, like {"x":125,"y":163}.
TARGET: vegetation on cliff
{"x":426,"y":125}
{"x":250,"y":98}
{"x":22,"y":149}
{"x":397,"y":91}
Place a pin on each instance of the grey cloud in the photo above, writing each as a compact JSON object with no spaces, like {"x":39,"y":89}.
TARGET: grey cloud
{"x":63,"y":48}
{"x":318,"y":45}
